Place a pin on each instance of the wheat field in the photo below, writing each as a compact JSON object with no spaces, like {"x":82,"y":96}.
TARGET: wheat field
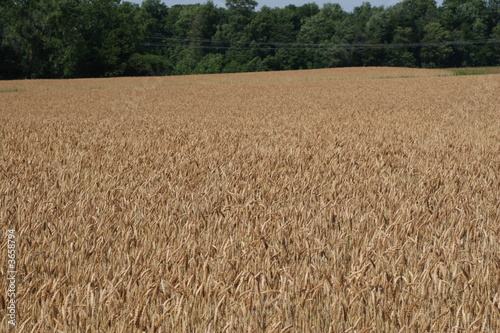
{"x":339,"y":200}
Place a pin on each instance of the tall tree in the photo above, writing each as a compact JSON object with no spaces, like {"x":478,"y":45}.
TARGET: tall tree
{"x":156,"y":12}
{"x":10,"y":67}
{"x":239,"y":14}
{"x":27,"y":27}
{"x":435,"y":54}
{"x":112,"y":33}
{"x":400,"y":56}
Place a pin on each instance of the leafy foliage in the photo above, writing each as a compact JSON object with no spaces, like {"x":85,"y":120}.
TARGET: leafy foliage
{"x":97,"y":38}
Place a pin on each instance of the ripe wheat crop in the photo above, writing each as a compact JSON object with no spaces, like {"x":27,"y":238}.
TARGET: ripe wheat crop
{"x":348,"y":200}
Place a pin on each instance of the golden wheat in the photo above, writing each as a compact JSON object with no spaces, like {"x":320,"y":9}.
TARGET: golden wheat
{"x":346,"y":200}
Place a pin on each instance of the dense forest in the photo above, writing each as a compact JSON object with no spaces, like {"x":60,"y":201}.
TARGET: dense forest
{"x":99,"y":38}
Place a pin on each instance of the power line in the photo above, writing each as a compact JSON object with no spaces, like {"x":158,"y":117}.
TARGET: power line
{"x":246,"y":45}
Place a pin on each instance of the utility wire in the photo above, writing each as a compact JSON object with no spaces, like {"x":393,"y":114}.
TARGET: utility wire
{"x":245,"y":45}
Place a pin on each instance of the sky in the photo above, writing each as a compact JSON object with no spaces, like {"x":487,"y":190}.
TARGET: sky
{"x":346,"y":5}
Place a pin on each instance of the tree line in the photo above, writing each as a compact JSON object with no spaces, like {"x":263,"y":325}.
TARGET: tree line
{"x":103,"y":38}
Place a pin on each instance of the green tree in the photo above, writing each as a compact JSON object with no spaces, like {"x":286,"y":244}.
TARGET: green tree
{"x":461,"y":14}
{"x":203,"y":25}
{"x":148,"y":65}
{"x":381,"y":25}
{"x":322,"y":26}
{"x":92,"y":38}
{"x":210,"y":64}
{"x":185,"y":62}
{"x":238,"y":15}
{"x":352,"y":30}
{"x":241,"y":5}
{"x":112,"y":32}
{"x":233,"y":67}
{"x":495,"y":34}
{"x":10,"y":67}
{"x":493,"y":10}
{"x":262,"y":26}
{"x":254,"y":65}
{"x":27,"y":29}
{"x":156,"y":12}
{"x":321,"y":29}
{"x":380,"y":30}
{"x":415,"y":14}
{"x":401,"y":56}
{"x":436,"y":53}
